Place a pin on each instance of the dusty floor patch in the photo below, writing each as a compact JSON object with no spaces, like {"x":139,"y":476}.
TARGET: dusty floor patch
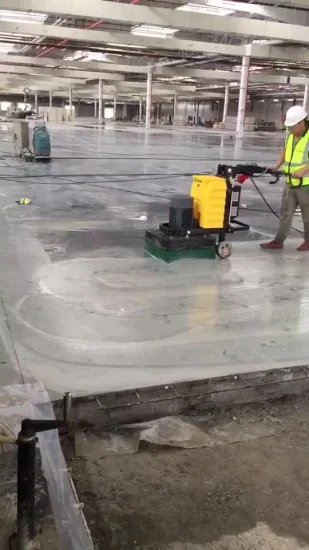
{"x":247,"y":495}
{"x":261,"y":537}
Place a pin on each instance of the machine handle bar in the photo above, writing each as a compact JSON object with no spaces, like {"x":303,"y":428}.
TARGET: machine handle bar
{"x":249,"y":170}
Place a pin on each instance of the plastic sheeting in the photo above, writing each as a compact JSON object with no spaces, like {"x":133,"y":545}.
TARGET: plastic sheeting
{"x":182,"y":432}
{"x":32,"y":401}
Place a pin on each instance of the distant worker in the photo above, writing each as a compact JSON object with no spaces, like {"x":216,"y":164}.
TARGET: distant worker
{"x":294,"y":161}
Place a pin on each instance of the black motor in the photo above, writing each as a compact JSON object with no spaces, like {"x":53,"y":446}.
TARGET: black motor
{"x":181,"y":213}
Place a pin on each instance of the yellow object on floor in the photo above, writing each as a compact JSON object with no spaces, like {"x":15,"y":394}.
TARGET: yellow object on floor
{"x":25,"y":201}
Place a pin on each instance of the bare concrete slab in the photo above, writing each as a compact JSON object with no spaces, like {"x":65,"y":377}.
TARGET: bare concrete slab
{"x":245,"y":495}
{"x":87,"y":312}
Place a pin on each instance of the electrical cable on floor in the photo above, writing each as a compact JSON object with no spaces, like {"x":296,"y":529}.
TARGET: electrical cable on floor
{"x":93,"y":183}
{"x":255,"y":210}
{"x":138,"y":175}
{"x":270,"y":207}
{"x":121,"y":189}
{"x":8,"y":324}
{"x":131,"y":177}
{"x":163,"y":158}
{"x":153,"y":156}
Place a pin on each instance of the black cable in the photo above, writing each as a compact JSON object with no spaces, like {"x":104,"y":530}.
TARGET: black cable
{"x":128,"y":157}
{"x":142,"y":177}
{"x":255,"y":210}
{"x":121,"y":189}
{"x":72,"y":182}
{"x":139,"y":175}
{"x":8,"y":324}
{"x":270,"y":207}
{"x":176,"y":159}
{"x":154,"y":156}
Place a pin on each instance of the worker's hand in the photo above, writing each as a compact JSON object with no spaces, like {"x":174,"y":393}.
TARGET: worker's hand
{"x":300,"y":173}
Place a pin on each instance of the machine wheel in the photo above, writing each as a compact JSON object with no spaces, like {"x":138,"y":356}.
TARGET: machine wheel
{"x":224,"y":250}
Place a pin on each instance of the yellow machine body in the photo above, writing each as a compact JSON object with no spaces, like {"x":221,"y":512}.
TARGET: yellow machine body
{"x":209,"y":195}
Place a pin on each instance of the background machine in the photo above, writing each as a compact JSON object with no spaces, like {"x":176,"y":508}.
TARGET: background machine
{"x":31,"y":143}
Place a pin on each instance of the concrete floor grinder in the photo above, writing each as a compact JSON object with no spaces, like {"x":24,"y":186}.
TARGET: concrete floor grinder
{"x":198,"y":224}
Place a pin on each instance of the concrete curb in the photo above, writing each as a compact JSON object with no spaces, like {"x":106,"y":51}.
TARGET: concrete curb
{"x":193,"y":397}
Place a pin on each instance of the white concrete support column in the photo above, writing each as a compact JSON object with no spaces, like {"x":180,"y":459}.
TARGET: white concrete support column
{"x":175,"y":106}
{"x":124,"y":111}
{"x":149,"y":97}
{"x":140,"y":110}
{"x":70,"y":101}
{"x":115,"y":108}
{"x":195,"y":113}
{"x":36,"y":102}
{"x":100,"y":114}
{"x":242,"y":102}
{"x":158,"y":112}
{"x":95,"y":109}
{"x":226,"y":102}
{"x":50,"y":99}
{"x":306,"y":98}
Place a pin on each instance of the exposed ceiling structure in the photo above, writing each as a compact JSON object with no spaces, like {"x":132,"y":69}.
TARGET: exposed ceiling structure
{"x":195,"y":47}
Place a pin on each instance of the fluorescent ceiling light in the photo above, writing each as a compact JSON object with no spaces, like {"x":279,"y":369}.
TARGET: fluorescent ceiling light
{"x":22,"y":16}
{"x":174,"y":79}
{"x":256,"y":68}
{"x":267,"y":42}
{"x":87,"y":56}
{"x":17,"y":36}
{"x":209,"y":9}
{"x":212,"y":86}
{"x":76,"y":55}
{"x":126,"y":46}
{"x":225,"y":4}
{"x":156,"y":32}
{"x":237,"y":68}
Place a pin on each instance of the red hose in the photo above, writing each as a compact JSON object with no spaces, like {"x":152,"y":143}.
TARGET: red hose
{"x":92,"y":26}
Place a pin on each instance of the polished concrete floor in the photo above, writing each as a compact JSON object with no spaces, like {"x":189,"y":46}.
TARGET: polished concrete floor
{"x":84,"y":310}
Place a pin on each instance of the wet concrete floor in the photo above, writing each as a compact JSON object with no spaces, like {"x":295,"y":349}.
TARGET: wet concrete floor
{"x":84,"y":310}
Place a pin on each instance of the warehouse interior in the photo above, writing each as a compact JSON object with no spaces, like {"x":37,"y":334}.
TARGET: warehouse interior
{"x":167,"y":353}
{"x":138,"y":97}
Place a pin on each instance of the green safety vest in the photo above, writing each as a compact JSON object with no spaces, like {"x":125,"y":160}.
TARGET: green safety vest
{"x":296,"y":157}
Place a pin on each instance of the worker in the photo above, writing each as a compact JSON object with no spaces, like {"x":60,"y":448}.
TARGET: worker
{"x":294,"y":161}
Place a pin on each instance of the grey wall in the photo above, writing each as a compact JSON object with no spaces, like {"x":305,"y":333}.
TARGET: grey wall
{"x":84,"y":110}
{"x":266,"y":110}
{"x":208,"y":110}
{"x":87,"y":110}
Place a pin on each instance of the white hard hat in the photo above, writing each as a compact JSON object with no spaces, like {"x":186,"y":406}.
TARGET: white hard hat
{"x":294,"y":115}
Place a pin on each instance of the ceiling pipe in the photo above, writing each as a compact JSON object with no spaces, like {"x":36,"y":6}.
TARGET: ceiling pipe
{"x":92,"y":26}
{"x":206,"y":60}
{"x":39,"y":39}
{"x":63,"y":42}
{"x":177,"y":62}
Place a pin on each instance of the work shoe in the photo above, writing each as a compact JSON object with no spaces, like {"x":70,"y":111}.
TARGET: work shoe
{"x":272,"y":245}
{"x":303,"y":247}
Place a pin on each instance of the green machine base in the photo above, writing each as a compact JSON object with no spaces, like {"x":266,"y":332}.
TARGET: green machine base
{"x":175,"y":248}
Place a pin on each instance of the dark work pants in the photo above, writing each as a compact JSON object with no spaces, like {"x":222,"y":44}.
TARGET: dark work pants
{"x":291,"y":199}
